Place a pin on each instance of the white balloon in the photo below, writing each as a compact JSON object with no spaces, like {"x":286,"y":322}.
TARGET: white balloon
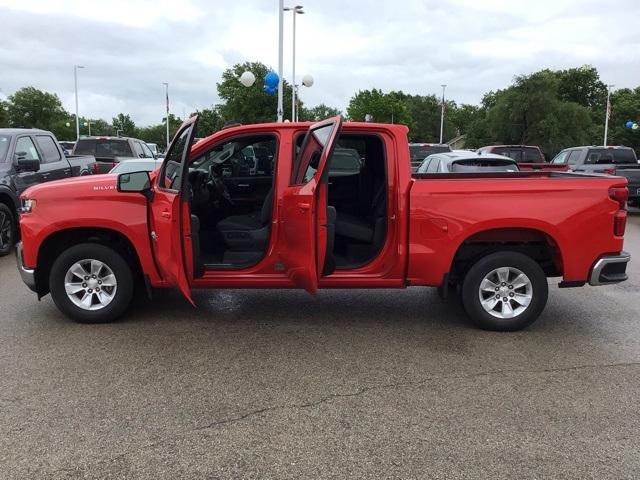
{"x":634,"y":126}
{"x":307,"y":80}
{"x":247,"y":79}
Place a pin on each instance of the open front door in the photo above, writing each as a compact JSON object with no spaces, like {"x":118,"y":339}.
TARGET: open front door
{"x":304,"y":207}
{"x":169,"y":218}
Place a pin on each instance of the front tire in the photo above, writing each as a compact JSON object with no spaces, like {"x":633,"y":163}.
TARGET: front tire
{"x":8,"y":230}
{"x":504,"y":291}
{"x":91,"y":283}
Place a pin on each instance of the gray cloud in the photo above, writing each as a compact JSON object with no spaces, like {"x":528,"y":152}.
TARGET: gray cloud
{"x":413,"y":45}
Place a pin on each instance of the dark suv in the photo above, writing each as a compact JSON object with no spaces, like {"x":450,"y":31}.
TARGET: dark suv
{"x":618,"y":160}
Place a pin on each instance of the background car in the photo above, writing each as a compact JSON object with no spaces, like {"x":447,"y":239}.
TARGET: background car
{"x":419,"y":151}
{"x":109,"y":151}
{"x":520,"y":153}
{"x":467,"y":162}
{"x":612,"y":160}
{"x":135,"y":165}
{"x":67,"y":146}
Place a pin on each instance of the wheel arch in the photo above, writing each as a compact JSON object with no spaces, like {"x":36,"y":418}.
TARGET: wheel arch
{"x":536,"y":243}
{"x":61,"y":240}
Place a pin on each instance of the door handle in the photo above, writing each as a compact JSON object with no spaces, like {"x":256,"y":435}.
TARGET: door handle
{"x":243,"y":185}
{"x":304,"y":206}
{"x":165,"y":214}
{"x":45,"y":175}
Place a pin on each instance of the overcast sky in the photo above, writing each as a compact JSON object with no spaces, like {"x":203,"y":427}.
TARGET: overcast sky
{"x":129,"y":47}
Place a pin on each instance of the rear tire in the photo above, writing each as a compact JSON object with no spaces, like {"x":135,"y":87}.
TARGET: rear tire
{"x":8,"y":230}
{"x":504,"y":291}
{"x":91,"y":283}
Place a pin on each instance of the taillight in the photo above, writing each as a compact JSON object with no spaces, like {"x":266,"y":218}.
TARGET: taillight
{"x":609,"y":171}
{"x":96,"y":168}
{"x":619,"y":223}
{"x":620,"y":195}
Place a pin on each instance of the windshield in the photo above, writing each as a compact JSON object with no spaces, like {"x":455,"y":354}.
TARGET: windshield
{"x":4,"y":147}
{"x":103,"y":147}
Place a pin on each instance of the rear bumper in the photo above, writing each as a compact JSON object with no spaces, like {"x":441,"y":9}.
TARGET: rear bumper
{"x":610,"y":269}
{"x":27,"y":274}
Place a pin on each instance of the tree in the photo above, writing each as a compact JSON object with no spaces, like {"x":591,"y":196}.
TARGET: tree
{"x":33,"y":108}
{"x":383,"y":107}
{"x":4,"y":114}
{"x":249,"y":104}
{"x":209,"y":121}
{"x":625,"y":105}
{"x":317,"y":113}
{"x":425,"y":112}
{"x":123,"y":125}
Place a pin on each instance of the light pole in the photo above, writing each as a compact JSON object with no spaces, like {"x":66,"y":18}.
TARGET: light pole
{"x":295,"y":10}
{"x":280,"y":34}
{"x":166,"y":94}
{"x":75,"y":81}
{"x":607,"y":113}
{"x":442,"y":113}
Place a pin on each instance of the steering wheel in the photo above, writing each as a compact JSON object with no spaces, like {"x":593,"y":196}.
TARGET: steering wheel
{"x":219,"y":186}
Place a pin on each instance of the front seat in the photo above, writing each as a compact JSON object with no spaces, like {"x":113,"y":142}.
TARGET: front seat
{"x":248,"y":232}
{"x":368,"y":229}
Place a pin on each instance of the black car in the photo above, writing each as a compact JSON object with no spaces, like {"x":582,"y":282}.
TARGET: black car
{"x":28,"y":157}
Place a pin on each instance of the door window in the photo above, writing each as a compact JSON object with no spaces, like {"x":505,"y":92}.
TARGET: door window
{"x":573,"y":157}
{"x":137,"y":149}
{"x":561,"y":158}
{"x":147,"y":151}
{"x":25,"y":148}
{"x":241,"y":157}
{"x":309,"y":157}
{"x":49,"y":149}
{"x":171,"y":174}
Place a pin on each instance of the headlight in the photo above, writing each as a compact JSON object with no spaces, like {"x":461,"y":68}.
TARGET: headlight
{"x":28,"y":205}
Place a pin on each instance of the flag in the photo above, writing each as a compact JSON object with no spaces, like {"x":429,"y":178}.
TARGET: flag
{"x":167,"y":101}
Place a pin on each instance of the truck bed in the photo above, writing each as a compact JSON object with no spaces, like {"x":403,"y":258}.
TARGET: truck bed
{"x":566,"y":208}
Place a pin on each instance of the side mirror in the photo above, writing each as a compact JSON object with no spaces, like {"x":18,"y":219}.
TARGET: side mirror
{"x":26,"y":164}
{"x":137,"y":182}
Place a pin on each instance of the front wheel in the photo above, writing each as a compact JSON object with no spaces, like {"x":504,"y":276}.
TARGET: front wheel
{"x":504,"y":291}
{"x":8,"y":230}
{"x":91,"y":283}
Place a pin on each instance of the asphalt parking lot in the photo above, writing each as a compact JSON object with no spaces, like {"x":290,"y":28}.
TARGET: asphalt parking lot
{"x":351,"y":384}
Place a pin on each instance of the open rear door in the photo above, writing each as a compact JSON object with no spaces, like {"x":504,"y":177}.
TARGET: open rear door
{"x":169,"y":222}
{"x":304,"y":207}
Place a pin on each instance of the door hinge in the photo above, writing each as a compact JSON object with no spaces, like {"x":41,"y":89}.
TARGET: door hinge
{"x":154,"y":236}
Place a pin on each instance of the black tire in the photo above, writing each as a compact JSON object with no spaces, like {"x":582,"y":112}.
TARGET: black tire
{"x":8,"y":230}
{"x":110,"y":258}
{"x":481,"y":269}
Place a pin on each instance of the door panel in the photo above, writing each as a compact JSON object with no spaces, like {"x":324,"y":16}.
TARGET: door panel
{"x":304,"y":207}
{"x":169,"y":211}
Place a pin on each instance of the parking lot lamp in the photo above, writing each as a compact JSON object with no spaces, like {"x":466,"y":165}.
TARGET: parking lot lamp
{"x":442,"y":113}
{"x":607,"y":114}
{"x":297,"y":10}
{"x":75,"y":81}
{"x":166,"y":94}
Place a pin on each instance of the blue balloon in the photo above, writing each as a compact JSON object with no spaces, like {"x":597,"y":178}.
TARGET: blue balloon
{"x":629,"y":124}
{"x":271,"y":80}
{"x":269,"y":91}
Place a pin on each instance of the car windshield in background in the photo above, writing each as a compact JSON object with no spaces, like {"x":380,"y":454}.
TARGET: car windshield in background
{"x":611,"y":155}
{"x":4,"y":147}
{"x":136,"y":166}
{"x":103,"y":147}
{"x":420,"y":152}
{"x":520,"y":154}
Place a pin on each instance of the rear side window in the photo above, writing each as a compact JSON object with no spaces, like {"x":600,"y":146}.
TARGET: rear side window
{"x":138,"y":150}
{"x":49,"y":149}
{"x":521,"y":154}
{"x":610,"y":155}
{"x":561,"y":158}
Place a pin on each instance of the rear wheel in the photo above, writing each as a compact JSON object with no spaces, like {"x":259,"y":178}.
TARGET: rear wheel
{"x":504,"y":291}
{"x":91,"y":283}
{"x":8,"y":229}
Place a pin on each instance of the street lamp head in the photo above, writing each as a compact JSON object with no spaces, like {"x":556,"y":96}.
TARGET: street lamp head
{"x":79,"y":66}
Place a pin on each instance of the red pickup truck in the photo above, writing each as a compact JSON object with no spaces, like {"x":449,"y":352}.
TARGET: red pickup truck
{"x":265,"y":206}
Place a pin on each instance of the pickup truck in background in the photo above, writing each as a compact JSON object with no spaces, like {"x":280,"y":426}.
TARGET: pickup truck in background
{"x":29,"y":157}
{"x":109,"y":151}
{"x":495,"y":236}
{"x":612,"y":160}
{"x":528,"y":157}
